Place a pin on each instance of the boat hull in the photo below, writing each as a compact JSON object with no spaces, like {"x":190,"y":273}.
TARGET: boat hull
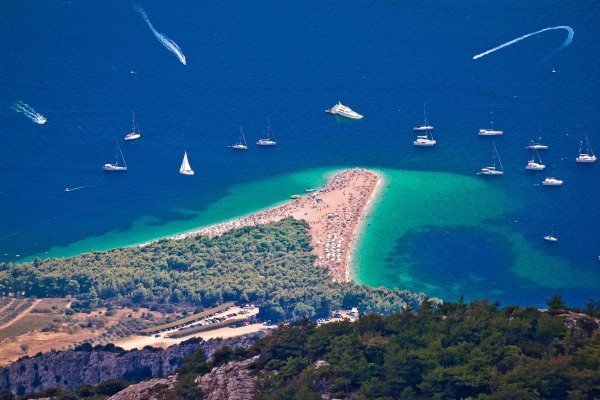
{"x":113,"y":168}
{"x":132,"y":136}
{"x":586,"y":159}
{"x":489,"y":132}
{"x":188,"y":173}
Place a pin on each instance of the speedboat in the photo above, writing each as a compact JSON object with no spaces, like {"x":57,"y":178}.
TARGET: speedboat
{"x":344,"y":111}
{"x":40,"y":119}
{"x":552,"y":182}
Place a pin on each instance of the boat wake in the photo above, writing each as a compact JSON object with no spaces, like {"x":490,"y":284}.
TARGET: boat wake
{"x":67,"y":189}
{"x":562,"y":46}
{"x":29,"y":112}
{"x":168,"y":43}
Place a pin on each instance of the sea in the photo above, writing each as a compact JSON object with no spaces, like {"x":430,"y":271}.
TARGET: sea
{"x":436,"y":226}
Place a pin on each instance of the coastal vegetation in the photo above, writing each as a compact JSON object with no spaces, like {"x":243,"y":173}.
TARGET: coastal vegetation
{"x":454,"y":351}
{"x":271,"y":265}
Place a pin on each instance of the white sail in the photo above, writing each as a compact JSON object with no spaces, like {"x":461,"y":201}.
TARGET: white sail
{"x":185,"y":166}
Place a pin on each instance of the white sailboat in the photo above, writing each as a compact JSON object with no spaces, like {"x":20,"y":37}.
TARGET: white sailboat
{"x":135,"y":133}
{"x":116,"y":166}
{"x":425,"y":140}
{"x":537,"y":145}
{"x":267,"y":141}
{"x":241,"y":144}
{"x":588,"y":156}
{"x":425,"y":126}
{"x":493,"y":170}
{"x":491,"y":131}
{"x":532,"y":165}
{"x":185,"y":168}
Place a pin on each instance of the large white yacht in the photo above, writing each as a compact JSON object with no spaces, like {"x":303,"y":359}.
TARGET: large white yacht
{"x":551,"y":181}
{"x":533,"y":165}
{"x":588,"y":156}
{"x":344,"y":111}
{"x":267,"y":141}
{"x":493,"y":170}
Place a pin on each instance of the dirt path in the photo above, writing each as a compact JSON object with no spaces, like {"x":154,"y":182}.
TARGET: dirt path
{"x":21,"y":314}
{"x":6,"y":305}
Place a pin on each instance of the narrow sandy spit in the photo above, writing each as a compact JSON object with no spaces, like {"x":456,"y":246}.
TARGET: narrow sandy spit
{"x":335,"y":214}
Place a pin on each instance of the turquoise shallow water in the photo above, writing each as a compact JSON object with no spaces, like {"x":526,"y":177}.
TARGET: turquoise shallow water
{"x":87,"y":65}
{"x":451,"y":235}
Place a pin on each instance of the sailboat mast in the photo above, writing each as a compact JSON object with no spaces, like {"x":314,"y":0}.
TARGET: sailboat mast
{"x":425,"y":114}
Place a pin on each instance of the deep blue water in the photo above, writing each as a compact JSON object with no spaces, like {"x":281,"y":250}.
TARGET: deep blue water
{"x":252,"y":61}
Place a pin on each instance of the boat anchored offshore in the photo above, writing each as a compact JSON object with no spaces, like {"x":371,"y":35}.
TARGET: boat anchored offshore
{"x":241,"y":144}
{"x":185,"y":168}
{"x":344,"y":111}
{"x":588,"y":156}
{"x":532,"y":165}
{"x":424,"y":140}
{"x":551,"y":181}
{"x":491,"y":131}
{"x":425,"y":127}
{"x":135,"y":133}
{"x":493,"y":170}
{"x":537,"y":145}
{"x":116,"y":166}
{"x":267,"y":141}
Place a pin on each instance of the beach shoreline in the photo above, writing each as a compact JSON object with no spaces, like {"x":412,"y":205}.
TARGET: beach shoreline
{"x":335,"y":214}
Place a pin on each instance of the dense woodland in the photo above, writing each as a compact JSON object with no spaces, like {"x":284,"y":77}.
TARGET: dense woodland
{"x":457,"y":351}
{"x":271,"y":265}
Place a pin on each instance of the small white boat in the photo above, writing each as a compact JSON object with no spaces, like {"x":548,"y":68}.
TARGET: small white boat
{"x":425,"y":126}
{"x":116,"y":166}
{"x":40,"y":119}
{"x":588,"y":156}
{"x":550,"y":238}
{"x":493,"y":170}
{"x":185,"y":168}
{"x":491,"y":131}
{"x":533,"y":165}
{"x":267,"y":141}
{"x":241,"y":144}
{"x":344,"y":111}
{"x":135,"y":132}
{"x":551,"y":181}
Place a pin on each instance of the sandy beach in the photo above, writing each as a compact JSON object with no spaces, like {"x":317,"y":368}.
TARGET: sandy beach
{"x":334,"y":213}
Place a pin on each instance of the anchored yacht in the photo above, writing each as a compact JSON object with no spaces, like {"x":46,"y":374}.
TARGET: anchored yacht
{"x":588,"y":156}
{"x":493,"y":170}
{"x":344,"y":111}
{"x":551,"y":181}
{"x":425,"y":127}
{"x":241,"y":144}
{"x":267,"y":141}
{"x":135,"y":132}
{"x":491,"y":131}
{"x":116,"y":166}
{"x":532,"y":165}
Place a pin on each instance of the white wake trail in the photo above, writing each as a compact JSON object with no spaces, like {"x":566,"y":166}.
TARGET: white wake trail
{"x":29,"y":112}
{"x":565,"y":43}
{"x":168,"y":43}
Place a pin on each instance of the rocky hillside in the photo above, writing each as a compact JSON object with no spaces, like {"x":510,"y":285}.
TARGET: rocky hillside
{"x":93,"y":365}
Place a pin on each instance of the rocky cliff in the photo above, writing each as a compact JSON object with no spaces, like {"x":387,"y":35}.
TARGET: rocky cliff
{"x":232,"y":381}
{"x":73,"y":368}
